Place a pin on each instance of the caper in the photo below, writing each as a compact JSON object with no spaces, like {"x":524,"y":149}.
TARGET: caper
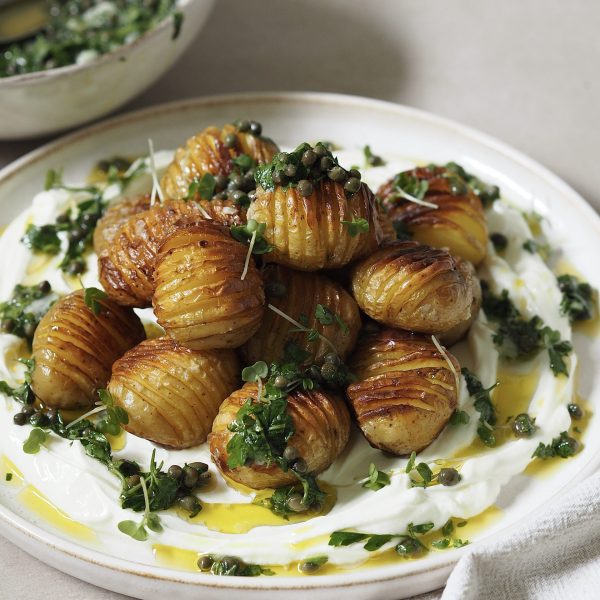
{"x":205,"y":562}
{"x":328,"y":371}
{"x":314,"y":372}
{"x":44,"y":287}
{"x":408,"y":546}
{"x":321,"y":150}
{"x":308,"y":158}
{"x":121,"y":164}
{"x":76,"y":267}
{"x":63,"y":218}
{"x":240,"y":197}
{"x":39,"y":419}
{"x":575,"y":411}
{"x":290,"y":453}
{"x":280,"y":178}
{"x":352,"y":185}
{"x":222,"y":196}
{"x":243,"y":125}
{"x":255,"y":128}
{"x":190,"y":477}
{"x":20,"y":419}
{"x":305,"y":188}
{"x":230,"y":140}
{"x":176,"y":472}
{"x":280,"y":381}
{"x":523,"y":425}
{"x":237,"y":179}
{"x":221,"y":182}
{"x":29,"y":329}
{"x":355,"y":173}
{"x":295,"y":504}
{"x":52,"y":414}
{"x":333,"y":358}
{"x":8,"y":325}
{"x":458,"y":187}
{"x":189,"y":503}
{"x":77,"y":234}
{"x":252,"y":195}
{"x":290,"y":170}
{"x":199,"y":466}
{"x":132,"y":481}
{"x":28,"y":410}
{"x":499,"y":240}
{"x":284,"y":157}
{"x":300,"y":465}
{"x":326,"y":163}
{"x":87,"y":219}
{"x":568,"y":446}
{"x":449,"y":476}
{"x":232,"y":186}
{"x":231,"y":563}
{"x":337,"y":174}
{"x":249,"y":183}
{"x":308,"y":566}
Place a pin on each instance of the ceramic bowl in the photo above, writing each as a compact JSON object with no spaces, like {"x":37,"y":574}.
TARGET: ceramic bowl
{"x":44,"y":102}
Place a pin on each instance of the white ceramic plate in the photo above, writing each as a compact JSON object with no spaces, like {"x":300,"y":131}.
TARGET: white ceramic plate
{"x":352,"y":122}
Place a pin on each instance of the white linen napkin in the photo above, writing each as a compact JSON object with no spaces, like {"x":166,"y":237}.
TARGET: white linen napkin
{"x":554,"y":555}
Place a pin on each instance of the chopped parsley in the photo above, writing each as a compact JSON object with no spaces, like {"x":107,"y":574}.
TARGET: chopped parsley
{"x":578,"y":298}
{"x":92,"y":297}
{"x":563,"y":446}
{"x":483,"y":405}
{"x":377,"y":479}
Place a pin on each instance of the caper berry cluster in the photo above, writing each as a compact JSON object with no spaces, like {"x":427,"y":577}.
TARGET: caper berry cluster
{"x":36,"y":416}
{"x":332,"y":373}
{"x":225,"y":565}
{"x":304,"y":167}
{"x":189,"y":477}
{"x":237,"y":186}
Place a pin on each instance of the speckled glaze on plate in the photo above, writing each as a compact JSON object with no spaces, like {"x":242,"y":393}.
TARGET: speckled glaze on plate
{"x":352,"y":122}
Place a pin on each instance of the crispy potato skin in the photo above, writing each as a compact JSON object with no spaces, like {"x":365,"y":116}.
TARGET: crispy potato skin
{"x":405,"y":391}
{"x":171,"y":393}
{"x":126,"y":267}
{"x":459,"y":331}
{"x":307,"y":233}
{"x":200,"y":299}
{"x":457,"y":224}
{"x":116,"y":214}
{"x":322,"y":428}
{"x":206,"y":153}
{"x":74,"y":350}
{"x":411,"y":286}
{"x":301,"y":294}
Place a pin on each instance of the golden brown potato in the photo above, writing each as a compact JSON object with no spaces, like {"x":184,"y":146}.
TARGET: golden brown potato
{"x":457,"y":332}
{"x":412,"y":286}
{"x":207,"y":152}
{"x":74,"y":350}
{"x":126,"y":266}
{"x":405,"y":390}
{"x":172,"y":394}
{"x":201,"y":300}
{"x":457,"y":224}
{"x":296,"y":293}
{"x":322,"y":428}
{"x":116,"y":214}
{"x":307,"y":233}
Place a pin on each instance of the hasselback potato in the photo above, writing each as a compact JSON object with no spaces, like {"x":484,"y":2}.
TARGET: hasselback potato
{"x":211,"y":151}
{"x":116,"y":214}
{"x":412,"y":286}
{"x":200,"y":299}
{"x":457,"y":224}
{"x":126,"y":266}
{"x":322,"y":428}
{"x":172,"y":394}
{"x":296,"y":294}
{"x":74,"y":349}
{"x":405,"y":390}
{"x":307,"y":233}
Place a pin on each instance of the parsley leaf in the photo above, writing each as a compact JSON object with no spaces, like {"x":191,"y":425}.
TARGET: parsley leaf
{"x":203,"y":187}
{"x":563,"y":446}
{"x":578,"y":298}
{"x":377,"y":479}
{"x":372,"y":160}
{"x":356,"y":226}
{"x":92,"y":297}
{"x":42,"y":239}
{"x":34,"y":441}
{"x":407,"y":184}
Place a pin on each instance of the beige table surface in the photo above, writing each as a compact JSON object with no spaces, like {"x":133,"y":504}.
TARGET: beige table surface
{"x":525,"y":71}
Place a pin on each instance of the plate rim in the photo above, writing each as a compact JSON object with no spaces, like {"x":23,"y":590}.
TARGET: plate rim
{"x":437,"y":566}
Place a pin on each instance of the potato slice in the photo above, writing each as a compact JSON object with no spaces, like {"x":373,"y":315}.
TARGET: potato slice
{"x":405,"y":390}
{"x":322,"y":428}
{"x":412,"y":286}
{"x":201,"y":300}
{"x":74,"y":350}
{"x":171,"y":393}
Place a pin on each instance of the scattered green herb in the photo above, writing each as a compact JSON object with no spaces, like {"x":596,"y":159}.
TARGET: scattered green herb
{"x":34,"y":441}
{"x":483,"y":405}
{"x":203,"y":187}
{"x":92,"y":297}
{"x":326,"y":317}
{"x":356,"y":226}
{"x":252,"y":231}
{"x":563,"y":446}
{"x":487,"y":193}
{"x":459,"y":417}
{"x":578,"y":298}
{"x":377,"y":479}
{"x":8,"y":477}
{"x":23,"y":392}
{"x":372,"y":160}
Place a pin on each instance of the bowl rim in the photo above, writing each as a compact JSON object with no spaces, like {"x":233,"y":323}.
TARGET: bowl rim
{"x":436,"y":567}
{"x":115,"y":54}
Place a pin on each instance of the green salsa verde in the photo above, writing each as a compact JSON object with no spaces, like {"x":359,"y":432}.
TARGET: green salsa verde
{"x":81,"y":30}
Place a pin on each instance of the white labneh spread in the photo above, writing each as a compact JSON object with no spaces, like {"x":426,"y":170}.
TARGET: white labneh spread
{"x":85,"y":491}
